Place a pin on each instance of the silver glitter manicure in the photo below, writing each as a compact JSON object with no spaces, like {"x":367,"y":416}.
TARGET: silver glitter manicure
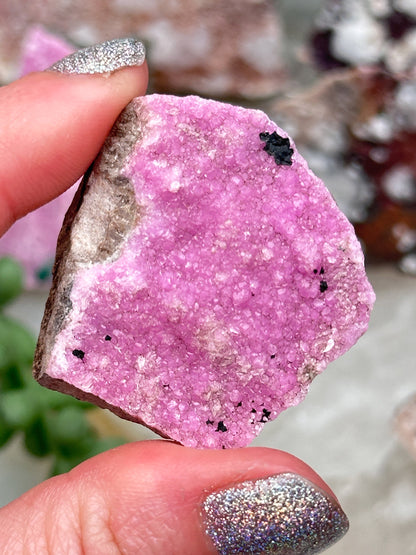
{"x":103,"y":58}
{"x":281,"y":515}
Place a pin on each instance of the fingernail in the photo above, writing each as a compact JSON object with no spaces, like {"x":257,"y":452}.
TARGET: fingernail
{"x":281,"y":515}
{"x":103,"y":58}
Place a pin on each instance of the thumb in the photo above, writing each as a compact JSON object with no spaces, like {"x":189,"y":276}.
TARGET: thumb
{"x":158,"y":497}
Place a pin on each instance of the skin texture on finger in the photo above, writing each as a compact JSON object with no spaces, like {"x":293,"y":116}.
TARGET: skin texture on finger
{"x":53,"y":126}
{"x":139,"y":498}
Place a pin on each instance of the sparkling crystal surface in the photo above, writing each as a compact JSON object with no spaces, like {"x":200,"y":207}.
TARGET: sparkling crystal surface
{"x":238,"y":282}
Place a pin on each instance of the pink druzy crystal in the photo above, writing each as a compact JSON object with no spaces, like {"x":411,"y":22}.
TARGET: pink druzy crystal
{"x":204,"y":279}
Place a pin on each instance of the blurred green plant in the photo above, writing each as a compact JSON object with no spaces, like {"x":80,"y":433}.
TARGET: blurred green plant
{"x":51,"y":423}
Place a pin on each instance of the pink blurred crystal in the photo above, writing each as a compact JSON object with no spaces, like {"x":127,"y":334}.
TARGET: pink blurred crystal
{"x":208,"y":306}
{"x":41,"y":49}
{"x":32,"y":240}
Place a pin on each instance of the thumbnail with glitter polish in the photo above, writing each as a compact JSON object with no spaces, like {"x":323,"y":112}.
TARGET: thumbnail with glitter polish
{"x":281,"y":515}
{"x":103,"y":58}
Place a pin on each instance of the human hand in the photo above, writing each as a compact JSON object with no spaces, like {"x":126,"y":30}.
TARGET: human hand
{"x":147,"y":497}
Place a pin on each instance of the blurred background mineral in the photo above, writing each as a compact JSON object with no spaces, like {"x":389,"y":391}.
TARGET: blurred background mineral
{"x":221,"y":49}
{"x":376,"y":140}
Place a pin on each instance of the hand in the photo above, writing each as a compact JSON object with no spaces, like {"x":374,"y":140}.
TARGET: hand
{"x":147,"y":497}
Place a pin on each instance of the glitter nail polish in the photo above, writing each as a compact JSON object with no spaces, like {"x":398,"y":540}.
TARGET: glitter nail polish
{"x":281,"y":515}
{"x":103,"y":58}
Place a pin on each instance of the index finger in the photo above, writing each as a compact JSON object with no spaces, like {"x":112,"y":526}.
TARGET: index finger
{"x":52,"y":127}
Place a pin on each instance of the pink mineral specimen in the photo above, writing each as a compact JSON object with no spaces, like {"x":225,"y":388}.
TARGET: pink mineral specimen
{"x":204,"y":275}
{"x":32,"y":240}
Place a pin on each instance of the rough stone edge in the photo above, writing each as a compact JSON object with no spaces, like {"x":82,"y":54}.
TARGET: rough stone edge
{"x":62,"y":386}
{"x":130,"y":124}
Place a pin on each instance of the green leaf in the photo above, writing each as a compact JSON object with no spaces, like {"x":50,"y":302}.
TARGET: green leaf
{"x":11,"y":280}
{"x":10,"y":378}
{"x":17,"y":344}
{"x":68,"y":426}
{"x":18,"y":408}
{"x":62,"y":465}
{"x":103,"y":444}
{"x":36,"y":439}
{"x":6,"y":432}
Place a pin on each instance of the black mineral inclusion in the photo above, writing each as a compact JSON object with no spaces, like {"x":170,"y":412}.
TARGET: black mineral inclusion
{"x":78,"y":353}
{"x":278,"y":147}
